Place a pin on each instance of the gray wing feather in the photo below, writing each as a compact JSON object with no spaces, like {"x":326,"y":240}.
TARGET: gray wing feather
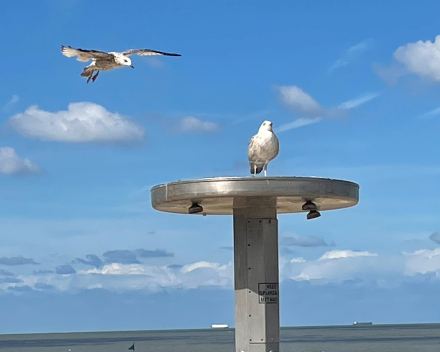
{"x":84,"y":55}
{"x":252,"y":149}
{"x":147,"y":52}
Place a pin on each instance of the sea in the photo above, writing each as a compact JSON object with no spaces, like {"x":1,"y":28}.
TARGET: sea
{"x":377,"y":338}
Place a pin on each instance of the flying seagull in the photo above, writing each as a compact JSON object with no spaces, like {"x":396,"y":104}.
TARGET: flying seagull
{"x":263,"y":147}
{"x":102,"y":61}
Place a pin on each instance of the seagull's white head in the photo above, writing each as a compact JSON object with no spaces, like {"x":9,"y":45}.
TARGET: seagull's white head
{"x":123,"y":60}
{"x":266,"y":126}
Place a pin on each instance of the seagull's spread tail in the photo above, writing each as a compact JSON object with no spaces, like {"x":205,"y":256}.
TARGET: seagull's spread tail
{"x":256,"y":169}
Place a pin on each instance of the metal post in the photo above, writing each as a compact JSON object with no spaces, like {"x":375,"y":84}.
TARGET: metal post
{"x":254,"y":203}
{"x":257,"y":326}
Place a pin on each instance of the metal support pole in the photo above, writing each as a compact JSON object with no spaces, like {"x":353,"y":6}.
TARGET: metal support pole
{"x":257,"y":327}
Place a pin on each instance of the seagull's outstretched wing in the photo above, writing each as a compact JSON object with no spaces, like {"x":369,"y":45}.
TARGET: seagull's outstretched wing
{"x":83,"y":55}
{"x":147,"y":52}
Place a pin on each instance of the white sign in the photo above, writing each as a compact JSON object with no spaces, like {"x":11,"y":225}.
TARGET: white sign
{"x":268,"y":293}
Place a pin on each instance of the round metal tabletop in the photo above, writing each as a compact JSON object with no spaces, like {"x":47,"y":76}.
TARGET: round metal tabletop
{"x":216,"y":195}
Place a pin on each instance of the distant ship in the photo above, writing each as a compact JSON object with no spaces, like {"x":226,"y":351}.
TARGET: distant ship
{"x":219,"y":326}
{"x":362,"y":323}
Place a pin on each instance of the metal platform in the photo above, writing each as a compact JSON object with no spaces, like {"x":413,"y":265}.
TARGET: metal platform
{"x":254,"y":203}
{"x":216,"y":195}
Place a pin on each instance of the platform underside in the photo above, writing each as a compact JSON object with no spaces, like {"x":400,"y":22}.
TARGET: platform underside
{"x":219,"y":196}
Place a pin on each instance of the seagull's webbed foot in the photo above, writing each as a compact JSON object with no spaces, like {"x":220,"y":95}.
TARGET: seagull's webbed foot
{"x":95,"y":77}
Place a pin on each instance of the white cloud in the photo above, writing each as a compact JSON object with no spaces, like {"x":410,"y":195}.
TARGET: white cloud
{"x":421,"y":58}
{"x":15,"y":98}
{"x":297,"y":123}
{"x":300,"y":102}
{"x":362,"y":99}
{"x":12,"y":164}
{"x":82,"y":122}
{"x":117,"y":269}
{"x":334,"y":266}
{"x":203,"y":264}
{"x":310,"y":111}
{"x":341,"y":265}
{"x":431,"y":113}
{"x":123,"y":277}
{"x":351,"y":53}
{"x":336,"y":254}
{"x":192,"y":124}
{"x":423,"y":261}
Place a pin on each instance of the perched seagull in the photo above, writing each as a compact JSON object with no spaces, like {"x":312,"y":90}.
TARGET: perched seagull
{"x":263,"y":147}
{"x":102,"y":61}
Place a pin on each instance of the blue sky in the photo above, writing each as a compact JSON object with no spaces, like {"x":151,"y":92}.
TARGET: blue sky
{"x":352,"y":90}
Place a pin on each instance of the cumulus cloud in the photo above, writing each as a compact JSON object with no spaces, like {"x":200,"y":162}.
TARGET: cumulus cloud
{"x":12,"y":164}
{"x":435,"y":237}
{"x":423,"y":261}
{"x":302,"y":241}
{"x":157,"y":253}
{"x":121,"y":256}
{"x":140,"y":276}
{"x":335,"y":266}
{"x":300,"y":102}
{"x":81,"y":122}
{"x":352,"y":53}
{"x":126,"y":277}
{"x":345,"y":254}
{"x":65,"y":269}
{"x":191,"y":124}
{"x":92,"y":260}
{"x":338,"y":266}
{"x":186,"y":125}
{"x":309,"y":111}
{"x":13,"y":261}
{"x":421,"y":58}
